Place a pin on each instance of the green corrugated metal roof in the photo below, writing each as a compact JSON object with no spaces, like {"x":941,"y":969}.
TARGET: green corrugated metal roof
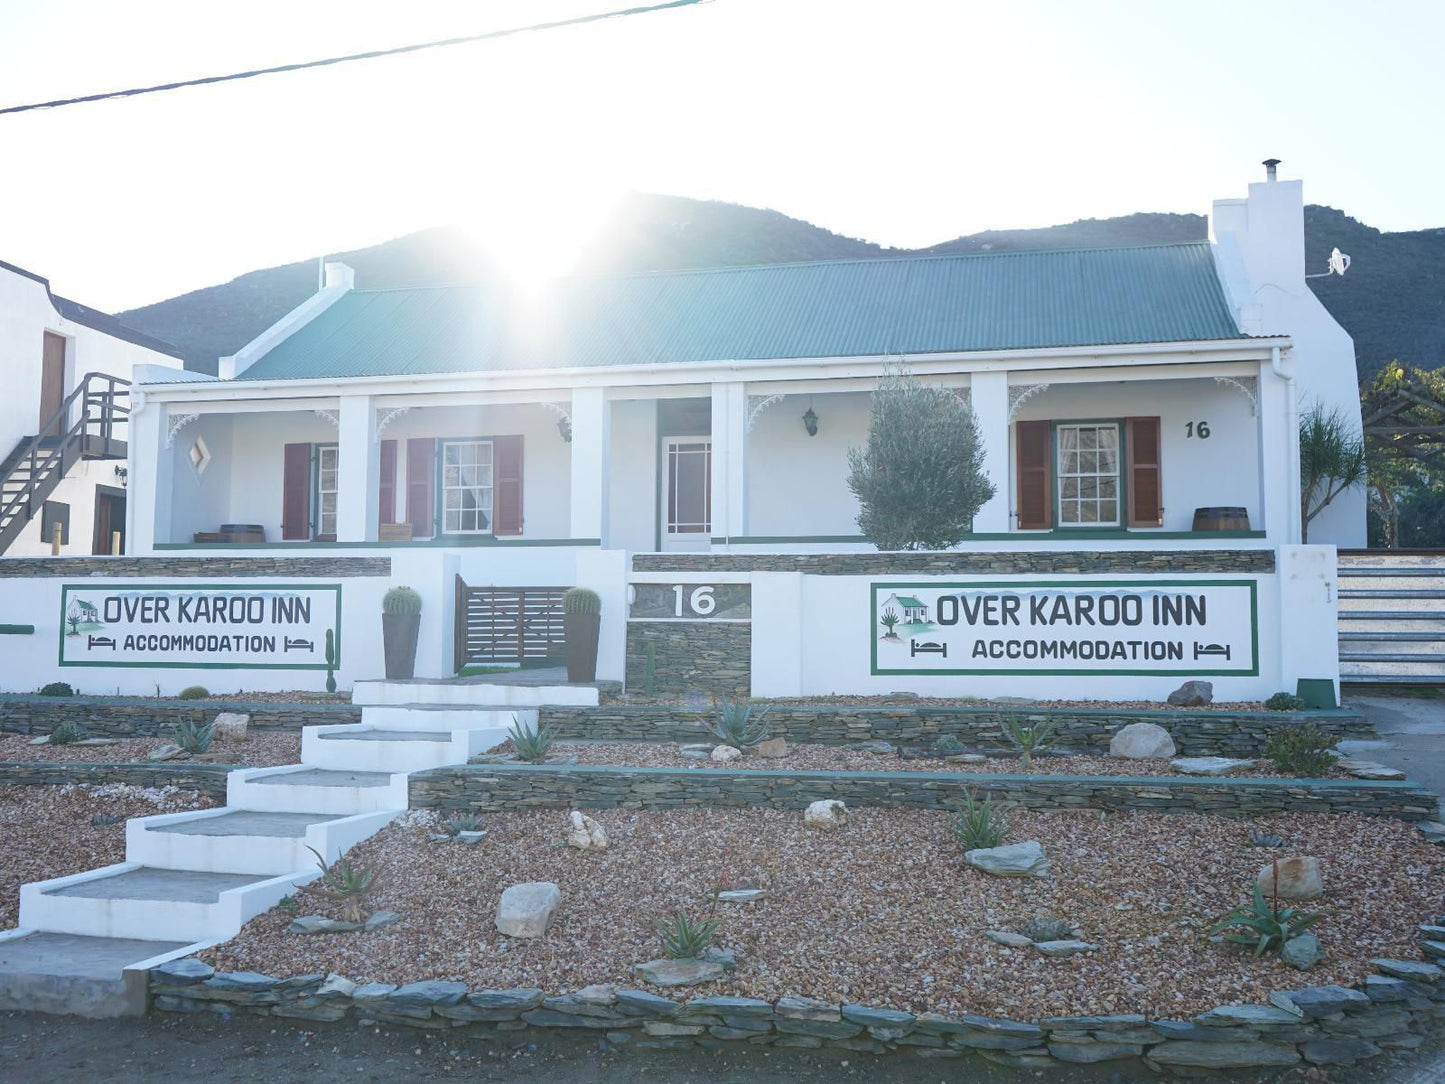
{"x":840,"y":308}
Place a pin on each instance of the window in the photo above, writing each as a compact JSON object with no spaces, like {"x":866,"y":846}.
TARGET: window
{"x":689,"y":485}
{"x":1088,"y":473}
{"x":467,"y":487}
{"x":326,"y":475}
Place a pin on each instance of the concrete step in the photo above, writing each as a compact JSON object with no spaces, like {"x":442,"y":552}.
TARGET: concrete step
{"x":1433,"y":615}
{"x":363,"y":748}
{"x":438,"y":717}
{"x":298,"y":788}
{"x":1401,"y":570}
{"x":245,"y":841}
{"x":472,"y":692}
{"x":134,"y":901}
{"x":79,"y":976}
{"x":1391,"y":592}
{"x":1393,"y":636}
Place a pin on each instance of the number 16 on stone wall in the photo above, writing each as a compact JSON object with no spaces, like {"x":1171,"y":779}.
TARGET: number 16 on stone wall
{"x":702,"y":601}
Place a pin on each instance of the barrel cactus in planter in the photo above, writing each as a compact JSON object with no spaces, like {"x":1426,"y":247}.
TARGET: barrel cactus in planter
{"x":400,"y":624}
{"x":581,"y":620}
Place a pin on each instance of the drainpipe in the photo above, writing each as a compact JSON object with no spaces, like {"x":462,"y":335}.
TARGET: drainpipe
{"x":1293,"y":522}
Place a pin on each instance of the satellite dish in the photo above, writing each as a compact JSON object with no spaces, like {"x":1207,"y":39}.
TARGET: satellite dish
{"x":1338,"y":264}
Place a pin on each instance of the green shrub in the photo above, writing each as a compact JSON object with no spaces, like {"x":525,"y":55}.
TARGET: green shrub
{"x":193,"y":737}
{"x":193,"y":692}
{"x":581,"y":600}
{"x":948,"y":745}
{"x":67,"y":733}
{"x":1264,"y":926}
{"x":57,"y":688}
{"x":978,"y":825}
{"x":736,"y":726}
{"x":531,"y":744}
{"x":1285,"y":702}
{"x":1047,"y":928}
{"x":1301,"y":749}
{"x":401,"y":600}
{"x":462,"y":822}
{"x":686,"y":938}
{"x":1029,"y":737}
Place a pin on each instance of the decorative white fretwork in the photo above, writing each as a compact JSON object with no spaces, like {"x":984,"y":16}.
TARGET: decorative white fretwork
{"x":177,"y":423}
{"x":331,"y":416}
{"x":757,"y":404}
{"x":1247,"y":386}
{"x":386,"y":417}
{"x":1019,"y":394}
{"x":963,"y":395}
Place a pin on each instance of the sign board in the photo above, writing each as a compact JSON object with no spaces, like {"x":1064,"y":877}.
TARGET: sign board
{"x":1137,"y":626}
{"x":218,"y":626}
{"x":690,"y":602}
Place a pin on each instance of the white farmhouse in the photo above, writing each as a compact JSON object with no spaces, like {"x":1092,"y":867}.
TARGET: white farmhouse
{"x":67,"y":371}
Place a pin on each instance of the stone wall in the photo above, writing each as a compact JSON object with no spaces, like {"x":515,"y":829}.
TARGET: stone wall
{"x":1319,"y":1025}
{"x":213,"y":566}
{"x":707,"y":657}
{"x":499,"y":787}
{"x":1003,"y":562}
{"x":133,"y":717}
{"x":209,"y":779}
{"x":1234,"y":734}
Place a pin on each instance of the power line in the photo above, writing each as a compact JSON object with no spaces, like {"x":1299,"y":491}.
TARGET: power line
{"x":371,"y":55}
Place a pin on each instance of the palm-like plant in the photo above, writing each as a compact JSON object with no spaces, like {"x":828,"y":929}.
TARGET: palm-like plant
{"x":1331,"y":460}
{"x":888,"y":620}
{"x":342,"y":883}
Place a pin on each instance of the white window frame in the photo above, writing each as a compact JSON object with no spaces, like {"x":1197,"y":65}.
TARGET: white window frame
{"x":486,"y":502}
{"x":323,"y":516}
{"x":673,"y":449}
{"x":1088,"y":479}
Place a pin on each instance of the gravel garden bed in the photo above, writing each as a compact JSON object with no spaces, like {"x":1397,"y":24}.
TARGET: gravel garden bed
{"x":49,"y":832}
{"x":893,"y":700}
{"x":259,"y":750}
{"x":882,"y":912}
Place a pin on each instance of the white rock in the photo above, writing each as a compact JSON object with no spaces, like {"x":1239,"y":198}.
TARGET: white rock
{"x":724,"y":753}
{"x":1010,"y":940}
{"x":1299,"y":879}
{"x":231,"y":726}
{"x":584,"y":833}
{"x":1209,"y":765}
{"x":1142,"y":741}
{"x":1064,"y":948}
{"x":1012,"y":860}
{"x":742,"y":895}
{"x":827,"y":814}
{"x":526,"y":910}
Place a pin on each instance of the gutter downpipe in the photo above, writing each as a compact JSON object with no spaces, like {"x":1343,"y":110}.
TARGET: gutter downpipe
{"x":1293,"y":524}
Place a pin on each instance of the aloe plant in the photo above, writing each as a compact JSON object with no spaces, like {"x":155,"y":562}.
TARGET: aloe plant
{"x":532,"y":744}
{"x":684,"y":937}
{"x":193,"y":738}
{"x":979,"y":825}
{"x":1028,"y":737}
{"x":342,"y":883}
{"x":736,"y":726}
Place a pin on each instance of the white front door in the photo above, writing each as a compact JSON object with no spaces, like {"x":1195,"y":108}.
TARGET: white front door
{"x":687,"y":493}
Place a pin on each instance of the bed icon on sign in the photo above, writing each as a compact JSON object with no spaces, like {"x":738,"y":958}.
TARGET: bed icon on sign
{"x":1201,"y":650}
{"x":99,"y":641}
{"x":926,"y":647}
{"x":299,"y":645}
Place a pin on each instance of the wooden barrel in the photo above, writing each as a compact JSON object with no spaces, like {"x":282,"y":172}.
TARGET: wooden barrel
{"x":1221,"y":519}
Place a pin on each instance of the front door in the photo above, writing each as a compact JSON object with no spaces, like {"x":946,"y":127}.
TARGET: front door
{"x":109,"y":519}
{"x":52,"y":384}
{"x":687,"y":496}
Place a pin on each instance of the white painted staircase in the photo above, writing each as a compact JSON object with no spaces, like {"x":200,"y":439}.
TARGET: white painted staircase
{"x":193,"y":879}
{"x":1392,"y":617}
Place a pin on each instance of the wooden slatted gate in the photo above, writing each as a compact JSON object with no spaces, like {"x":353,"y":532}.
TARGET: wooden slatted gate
{"x":508,"y":625}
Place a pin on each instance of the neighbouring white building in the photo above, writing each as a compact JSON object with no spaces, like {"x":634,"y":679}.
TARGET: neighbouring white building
{"x":679,"y":441}
{"x":67,"y":370}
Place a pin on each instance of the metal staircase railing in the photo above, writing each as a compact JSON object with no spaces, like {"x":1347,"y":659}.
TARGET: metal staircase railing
{"x":38,"y":465}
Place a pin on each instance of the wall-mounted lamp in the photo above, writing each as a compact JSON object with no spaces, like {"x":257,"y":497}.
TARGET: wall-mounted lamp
{"x":122,"y":473}
{"x":810,"y":422}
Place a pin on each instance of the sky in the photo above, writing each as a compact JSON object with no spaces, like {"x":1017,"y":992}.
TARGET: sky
{"x":905,"y":122}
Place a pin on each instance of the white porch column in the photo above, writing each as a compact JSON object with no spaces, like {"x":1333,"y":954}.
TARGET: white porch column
{"x":729,"y":460}
{"x":358,"y":474}
{"x":990,"y":405}
{"x":591,"y":448}
{"x":148,"y":480}
{"x":1278,"y":460}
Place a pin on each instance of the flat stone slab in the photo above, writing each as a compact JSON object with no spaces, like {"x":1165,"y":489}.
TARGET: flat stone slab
{"x":1368,"y":769}
{"x":247,"y":823}
{"x":186,"y":886}
{"x":1213,"y":766}
{"x":71,"y":955}
{"x":321,"y":777}
{"x":679,"y":972}
{"x":387,"y":735}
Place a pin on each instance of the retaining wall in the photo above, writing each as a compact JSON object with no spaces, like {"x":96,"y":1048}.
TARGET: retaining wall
{"x":995,"y":562}
{"x":126,"y":717}
{"x":209,"y":779}
{"x":1235,"y":734}
{"x":498,"y":787}
{"x":690,"y":656}
{"x":1322,"y":1025}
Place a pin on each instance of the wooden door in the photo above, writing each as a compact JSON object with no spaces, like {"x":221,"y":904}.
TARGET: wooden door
{"x":52,"y":383}
{"x":687,"y":496}
{"x":109,"y":517}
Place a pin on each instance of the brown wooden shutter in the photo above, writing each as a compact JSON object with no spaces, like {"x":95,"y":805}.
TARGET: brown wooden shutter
{"x":507,"y":485}
{"x":386,"y":484}
{"x":296,"y":492}
{"x":1146,"y":490}
{"x":420,"y":472}
{"x":1036,"y":505}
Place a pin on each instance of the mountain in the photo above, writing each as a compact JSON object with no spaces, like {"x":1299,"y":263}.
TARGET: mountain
{"x":1392,"y":301}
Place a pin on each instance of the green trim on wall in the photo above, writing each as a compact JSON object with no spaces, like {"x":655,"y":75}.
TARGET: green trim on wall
{"x":17,"y":630}
{"x":1065,"y":534}
{"x":451,"y":541}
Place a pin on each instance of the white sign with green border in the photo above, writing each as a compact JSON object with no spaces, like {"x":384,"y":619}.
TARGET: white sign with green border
{"x":1129,"y":626}
{"x":218,"y":626}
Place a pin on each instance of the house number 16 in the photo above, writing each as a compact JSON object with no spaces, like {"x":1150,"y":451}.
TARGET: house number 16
{"x":1197,"y":429}
{"x":701,"y":601}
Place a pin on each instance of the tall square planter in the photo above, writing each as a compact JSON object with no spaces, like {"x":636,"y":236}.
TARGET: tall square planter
{"x":398,"y":642}
{"x":580,"y":633}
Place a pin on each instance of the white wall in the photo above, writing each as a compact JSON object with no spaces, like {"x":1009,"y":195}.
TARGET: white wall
{"x":244,"y":481}
{"x":632,"y":491}
{"x":797,"y":484}
{"x":76,"y":489}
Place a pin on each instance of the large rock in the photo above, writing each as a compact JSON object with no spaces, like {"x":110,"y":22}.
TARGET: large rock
{"x":1193,"y":694}
{"x":1368,"y":769}
{"x":679,"y":972}
{"x":1142,"y":741}
{"x":1302,"y":952}
{"x":1299,"y":879}
{"x":773,"y":748}
{"x":1012,"y":860}
{"x":231,"y":726}
{"x":724,"y":753}
{"x":1209,"y":765}
{"x":826,"y":815}
{"x":584,"y":833}
{"x":1065,"y":948}
{"x":526,"y":910}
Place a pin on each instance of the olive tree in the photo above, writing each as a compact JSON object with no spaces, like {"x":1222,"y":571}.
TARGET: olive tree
{"x":1331,"y":461}
{"x":920,"y":477}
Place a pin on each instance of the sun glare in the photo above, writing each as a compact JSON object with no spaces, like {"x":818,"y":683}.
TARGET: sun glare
{"x":541,"y":232}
